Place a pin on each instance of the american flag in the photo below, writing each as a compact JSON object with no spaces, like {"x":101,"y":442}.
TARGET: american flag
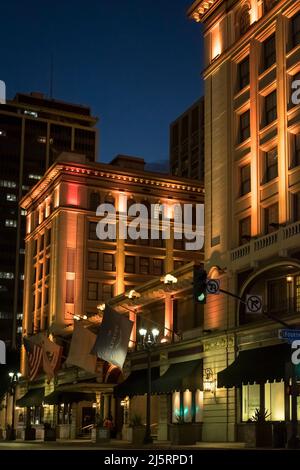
{"x":34,"y":354}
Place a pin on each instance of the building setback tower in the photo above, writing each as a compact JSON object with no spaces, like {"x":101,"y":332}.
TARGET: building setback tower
{"x":252,"y":200}
{"x":187,"y":143}
{"x":33,"y":131}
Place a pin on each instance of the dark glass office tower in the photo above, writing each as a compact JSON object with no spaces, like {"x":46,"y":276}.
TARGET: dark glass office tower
{"x":34,"y":130}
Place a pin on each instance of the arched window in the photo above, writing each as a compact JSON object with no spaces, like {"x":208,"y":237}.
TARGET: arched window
{"x":244,"y":20}
{"x":94,"y":201}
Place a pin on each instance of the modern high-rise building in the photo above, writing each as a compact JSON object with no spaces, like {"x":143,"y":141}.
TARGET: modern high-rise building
{"x":33,"y":131}
{"x":187,"y":143}
{"x":252,"y":200}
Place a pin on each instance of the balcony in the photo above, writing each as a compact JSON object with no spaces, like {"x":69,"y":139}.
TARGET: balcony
{"x":266,"y":246}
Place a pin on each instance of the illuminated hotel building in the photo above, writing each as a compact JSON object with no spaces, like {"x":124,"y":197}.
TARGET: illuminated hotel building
{"x":34,"y":129}
{"x":252,"y":202}
{"x":69,"y":271}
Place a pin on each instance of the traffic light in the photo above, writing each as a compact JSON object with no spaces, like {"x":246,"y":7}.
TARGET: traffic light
{"x":199,"y":285}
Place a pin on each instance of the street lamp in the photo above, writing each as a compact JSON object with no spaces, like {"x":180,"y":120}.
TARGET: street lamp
{"x":14,"y":379}
{"x":149,"y":339}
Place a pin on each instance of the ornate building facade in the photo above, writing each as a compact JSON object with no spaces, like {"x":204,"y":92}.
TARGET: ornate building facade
{"x":252,"y":219}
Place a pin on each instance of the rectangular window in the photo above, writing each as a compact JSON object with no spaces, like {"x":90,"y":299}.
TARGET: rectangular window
{"x":270,"y":107}
{"x":47,"y":266}
{"x":144,"y":266}
{"x":271,"y":218}
{"x":245,"y":179}
{"x":11,"y":197}
{"x":244,"y":230}
{"x":92,"y":291}
{"x":48,"y":237}
{"x":271,"y":165}
{"x":92,"y":260}
{"x":274,"y":401}
{"x":244,"y":126}
{"x":269,"y":52}
{"x":250,"y":401}
{"x":10,"y":223}
{"x":277,"y":295}
{"x":108,"y":262}
{"x":129,"y":264}
{"x":296,"y":30}
{"x":296,"y":151}
{"x":92,"y":231}
{"x":243,"y":73}
{"x":158,"y":267}
{"x":296,"y":207}
{"x":107,"y":291}
{"x":70,"y":287}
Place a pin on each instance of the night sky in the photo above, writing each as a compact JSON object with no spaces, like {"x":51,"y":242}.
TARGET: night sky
{"x":137,"y":64}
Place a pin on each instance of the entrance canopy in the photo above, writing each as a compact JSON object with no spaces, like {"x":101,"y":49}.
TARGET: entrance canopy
{"x":136,"y":383}
{"x":180,"y":377}
{"x":63,"y":396}
{"x":257,"y":365}
{"x":34,"y":397}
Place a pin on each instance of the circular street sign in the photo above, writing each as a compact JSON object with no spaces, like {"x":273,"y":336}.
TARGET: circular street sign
{"x":254,"y":304}
{"x":213,"y":286}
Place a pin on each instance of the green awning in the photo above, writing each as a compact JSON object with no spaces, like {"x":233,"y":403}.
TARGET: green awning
{"x":63,"y":396}
{"x":257,"y":365}
{"x":136,"y":383}
{"x":33,"y":397}
{"x":180,"y":377}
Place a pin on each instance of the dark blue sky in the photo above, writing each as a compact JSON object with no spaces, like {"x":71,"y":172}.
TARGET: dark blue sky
{"x":136,"y":63}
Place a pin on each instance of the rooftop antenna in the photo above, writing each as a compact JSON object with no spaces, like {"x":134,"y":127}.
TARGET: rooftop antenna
{"x":51,"y":76}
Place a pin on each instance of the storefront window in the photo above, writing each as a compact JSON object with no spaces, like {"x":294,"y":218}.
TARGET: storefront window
{"x":250,"y":401}
{"x":176,"y":412}
{"x":187,"y":405}
{"x":274,"y":401}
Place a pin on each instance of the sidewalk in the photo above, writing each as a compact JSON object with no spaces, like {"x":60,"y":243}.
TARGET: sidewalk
{"x":114,"y":444}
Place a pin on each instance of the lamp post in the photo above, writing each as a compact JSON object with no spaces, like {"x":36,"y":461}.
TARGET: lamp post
{"x":149,"y":339}
{"x":14,"y":379}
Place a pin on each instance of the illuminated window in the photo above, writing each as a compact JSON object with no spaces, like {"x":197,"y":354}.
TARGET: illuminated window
{"x":8,"y":184}
{"x":274,"y":401}
{"x":10,"y":223}
{"x":271,"y":165}
{"x":269,"y":52}
{"x":23,"y":212}
{"x":245,"y":176}
{"x":270,"y":107}
{"x":250,"y":401}
{"x":5,"y":275}
{"x":244,"y":230}
{"x":34,"y":177}
{"x":11,"y":197}
{"x":243,"y":73}
{"x":296,"y":29}
{"x":176,"y":407}
{"x":244,"y":126}
{"x":271,"y":218}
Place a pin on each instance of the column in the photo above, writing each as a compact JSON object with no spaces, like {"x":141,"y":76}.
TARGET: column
{"x":132,"y":342}
{"x":162,"y":433}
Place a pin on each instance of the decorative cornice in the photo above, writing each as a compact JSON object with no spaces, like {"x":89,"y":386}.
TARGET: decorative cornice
{"x":200,"y":8}
{"x":149,"y":179}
